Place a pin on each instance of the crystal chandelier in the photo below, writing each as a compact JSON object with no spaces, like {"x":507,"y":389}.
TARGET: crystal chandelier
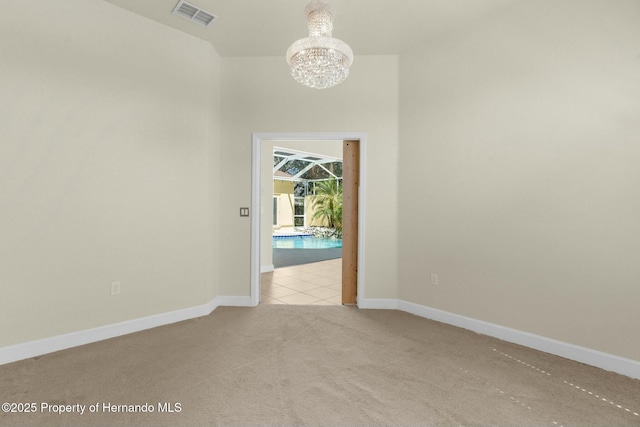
{"x":319,"y":61}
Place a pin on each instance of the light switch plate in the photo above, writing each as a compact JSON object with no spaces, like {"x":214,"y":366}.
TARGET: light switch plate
{"x":115,"y":288}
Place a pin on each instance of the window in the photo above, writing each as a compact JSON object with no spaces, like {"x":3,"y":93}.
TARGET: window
{"x":298,"y":213}
{"x":300,"y":188}
{"x":275,"y":211}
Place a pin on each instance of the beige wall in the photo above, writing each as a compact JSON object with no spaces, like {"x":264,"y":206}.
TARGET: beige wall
{"x":310,"y":210}
{"x":366,"y":102}
{"x":108,"y":133}
{"x":285,"y":214}
{"x":519,"y":172}
{"x":282,"y":187}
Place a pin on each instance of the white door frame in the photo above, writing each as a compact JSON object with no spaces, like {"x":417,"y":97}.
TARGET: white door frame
{"x":257,"y":139}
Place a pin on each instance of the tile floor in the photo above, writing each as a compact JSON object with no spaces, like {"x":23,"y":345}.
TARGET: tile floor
{"x":307,"y":284}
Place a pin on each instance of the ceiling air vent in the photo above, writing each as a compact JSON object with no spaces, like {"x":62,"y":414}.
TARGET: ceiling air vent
{"x":193,"y":13}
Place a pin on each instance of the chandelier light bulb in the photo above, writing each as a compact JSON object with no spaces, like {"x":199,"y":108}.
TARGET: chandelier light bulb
{"x":319,"y":61}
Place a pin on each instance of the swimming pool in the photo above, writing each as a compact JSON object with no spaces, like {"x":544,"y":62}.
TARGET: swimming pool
{"x":305,"y":242}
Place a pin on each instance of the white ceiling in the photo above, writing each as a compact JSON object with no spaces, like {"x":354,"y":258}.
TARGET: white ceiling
{"x":268,"y":27}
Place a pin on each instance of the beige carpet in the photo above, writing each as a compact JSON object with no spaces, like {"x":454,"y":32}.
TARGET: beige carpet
{"x":316,"y":365}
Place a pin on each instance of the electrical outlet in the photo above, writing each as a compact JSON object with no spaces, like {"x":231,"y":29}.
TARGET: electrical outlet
{"x":434,"y":279}
{"x":115,"y":288}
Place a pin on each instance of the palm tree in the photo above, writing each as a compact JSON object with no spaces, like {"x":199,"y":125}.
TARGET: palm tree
{"x":328,"y":204}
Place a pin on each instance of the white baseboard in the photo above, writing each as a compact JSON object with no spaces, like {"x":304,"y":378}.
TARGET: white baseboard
{"x":267,"y":268}
{"x":61,"y":342}
{"x":378,"y":303}
{"x":230,"y":301}
{"x":609,"y":362}
{"x":591,"y":357}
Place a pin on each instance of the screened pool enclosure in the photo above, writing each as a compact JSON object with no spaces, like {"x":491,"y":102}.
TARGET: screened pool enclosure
{"x":298,"y":178}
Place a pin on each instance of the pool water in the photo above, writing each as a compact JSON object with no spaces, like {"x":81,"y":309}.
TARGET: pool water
{"x":305,"y":242}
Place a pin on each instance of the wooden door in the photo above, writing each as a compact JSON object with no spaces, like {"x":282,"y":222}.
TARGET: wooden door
{"x":350,"y":182}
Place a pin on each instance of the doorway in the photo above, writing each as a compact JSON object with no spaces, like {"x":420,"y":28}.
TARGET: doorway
{"x":307,"y":210}
{"x":260,"y":234}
